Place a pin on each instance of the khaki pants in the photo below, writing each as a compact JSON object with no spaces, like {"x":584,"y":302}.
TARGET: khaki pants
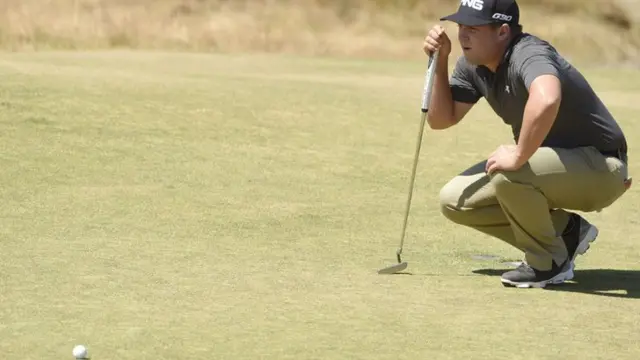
{"x":525,"y":208}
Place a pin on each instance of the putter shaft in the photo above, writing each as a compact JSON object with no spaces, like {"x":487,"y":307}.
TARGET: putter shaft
{"x":426,"y":98}
{"x":413,"y":177}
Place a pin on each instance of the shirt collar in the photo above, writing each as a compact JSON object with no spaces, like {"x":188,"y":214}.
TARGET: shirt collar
{"x":507,"y":53}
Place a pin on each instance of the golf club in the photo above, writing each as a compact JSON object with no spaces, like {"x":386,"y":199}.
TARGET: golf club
{"x":426,"y":99}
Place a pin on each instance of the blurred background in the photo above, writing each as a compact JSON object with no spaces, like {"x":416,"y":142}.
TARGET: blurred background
{"x":583,"y":30}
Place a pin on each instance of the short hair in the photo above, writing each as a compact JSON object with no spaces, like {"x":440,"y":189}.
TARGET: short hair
{"x":516,"y":29}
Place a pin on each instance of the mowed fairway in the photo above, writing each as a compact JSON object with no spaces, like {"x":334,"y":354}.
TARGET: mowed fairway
{"x":174,"y":206}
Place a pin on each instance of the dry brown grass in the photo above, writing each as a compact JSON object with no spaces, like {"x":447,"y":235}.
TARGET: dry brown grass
{"x":593,"y":30}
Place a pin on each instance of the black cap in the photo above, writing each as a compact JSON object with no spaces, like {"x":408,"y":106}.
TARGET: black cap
{"x":483,"y":12}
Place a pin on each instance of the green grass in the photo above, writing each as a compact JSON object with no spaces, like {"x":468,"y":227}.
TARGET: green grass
{"x":173,"y":206}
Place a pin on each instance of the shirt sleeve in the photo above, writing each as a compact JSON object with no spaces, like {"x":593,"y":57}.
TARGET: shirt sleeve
{"x":536,"y":61}
{"x":462,"y":83}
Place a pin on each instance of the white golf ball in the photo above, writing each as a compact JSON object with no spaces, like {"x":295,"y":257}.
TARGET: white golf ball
{"x":80,"y":352}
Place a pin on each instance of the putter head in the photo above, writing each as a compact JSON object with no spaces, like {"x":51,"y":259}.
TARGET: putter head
{"x":393,"y":269}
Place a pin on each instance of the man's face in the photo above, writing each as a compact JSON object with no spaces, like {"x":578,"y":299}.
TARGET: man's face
{"x":480,"y":44}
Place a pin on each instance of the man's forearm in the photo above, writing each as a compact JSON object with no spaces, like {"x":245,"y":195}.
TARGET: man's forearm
{"x":539,"y":115}
{"x":441,"y":107}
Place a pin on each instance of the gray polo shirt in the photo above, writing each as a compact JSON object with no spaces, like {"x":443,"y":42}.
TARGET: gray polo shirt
{"x":583,"y":120}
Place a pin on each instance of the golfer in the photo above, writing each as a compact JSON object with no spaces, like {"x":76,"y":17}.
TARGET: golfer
{"x":569,"y":152}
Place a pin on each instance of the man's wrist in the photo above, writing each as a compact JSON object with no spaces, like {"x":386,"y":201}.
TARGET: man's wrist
{"x":443,"y":63}
{"x":521,"y":156}
{"x":443,"y":58}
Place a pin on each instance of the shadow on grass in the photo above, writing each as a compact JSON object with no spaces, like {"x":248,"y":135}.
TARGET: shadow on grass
{"x":604,"y":282}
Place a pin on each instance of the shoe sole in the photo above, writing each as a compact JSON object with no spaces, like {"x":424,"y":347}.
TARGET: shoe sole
{"x":558,"y":279}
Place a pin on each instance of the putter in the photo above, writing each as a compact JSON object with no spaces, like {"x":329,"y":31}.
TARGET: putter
{"x":426,"y":99}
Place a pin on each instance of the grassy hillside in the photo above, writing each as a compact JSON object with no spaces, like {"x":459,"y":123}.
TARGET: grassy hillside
{"x":590,"y":30}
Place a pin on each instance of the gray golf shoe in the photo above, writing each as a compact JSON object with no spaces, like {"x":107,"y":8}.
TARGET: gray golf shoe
{"x":578,"y":236}
{"x":525,"y":276}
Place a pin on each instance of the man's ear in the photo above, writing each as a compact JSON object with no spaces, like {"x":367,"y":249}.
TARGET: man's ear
{"x":504,"y":32}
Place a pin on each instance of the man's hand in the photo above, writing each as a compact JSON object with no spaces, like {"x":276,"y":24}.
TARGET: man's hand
{"x":505,"y":158}
{"x":437,"y":39}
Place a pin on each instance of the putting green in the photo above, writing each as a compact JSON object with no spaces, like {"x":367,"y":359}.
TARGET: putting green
{"x":165,"y":206}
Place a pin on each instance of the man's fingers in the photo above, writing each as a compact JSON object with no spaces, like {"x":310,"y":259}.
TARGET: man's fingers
{"x":429,"y":48}
{"x":433,"y":37}
{"x":436,"y":40}
{"x":438,"y":34}
{"x":493,"y":167}
{"x":433,"y":42}
{"x":431,"y":45}
{"x":489,"y":163}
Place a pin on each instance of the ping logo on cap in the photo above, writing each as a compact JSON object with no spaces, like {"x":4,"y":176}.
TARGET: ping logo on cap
{"x":474,"y":4}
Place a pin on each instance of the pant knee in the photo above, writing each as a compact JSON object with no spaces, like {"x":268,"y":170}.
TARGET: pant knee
{"x":460,"y":197}
{"x":449,"y":197}
{"x":501,"y":181}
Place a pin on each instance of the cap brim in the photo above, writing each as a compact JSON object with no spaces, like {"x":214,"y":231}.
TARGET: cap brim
{"x":467,"y":20}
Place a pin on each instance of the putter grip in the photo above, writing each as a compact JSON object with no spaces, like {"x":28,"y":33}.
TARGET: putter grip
{"x":428,"y":81}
